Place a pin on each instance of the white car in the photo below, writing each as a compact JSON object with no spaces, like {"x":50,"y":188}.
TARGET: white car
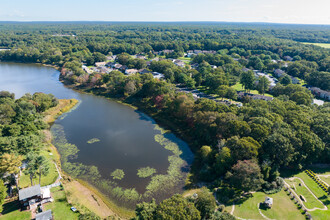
{"x":73,"y":209}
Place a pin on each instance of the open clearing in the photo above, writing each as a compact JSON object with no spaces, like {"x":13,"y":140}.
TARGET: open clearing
{"x":319,"y":44}
{"x":283,"y":207}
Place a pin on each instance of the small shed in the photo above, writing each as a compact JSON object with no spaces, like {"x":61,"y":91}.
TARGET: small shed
{"x":268,"y":202}
{"x":46,"y":215}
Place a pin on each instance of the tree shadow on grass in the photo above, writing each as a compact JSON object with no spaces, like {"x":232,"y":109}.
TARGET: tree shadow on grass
{"x":243,"y":198}
{"x":325,"y":200}
{"x":61,"y":200}
{"x":10,"y":207}
{"x":262,"y":206}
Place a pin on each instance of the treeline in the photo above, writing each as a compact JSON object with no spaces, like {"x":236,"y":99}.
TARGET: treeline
{"x":253,"y":48}
{"x":202,"y":205}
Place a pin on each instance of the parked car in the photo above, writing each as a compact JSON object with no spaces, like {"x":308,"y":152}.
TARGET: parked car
{"x":74,"y":209}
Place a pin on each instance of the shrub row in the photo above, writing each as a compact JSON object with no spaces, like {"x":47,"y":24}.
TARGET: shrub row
{"x":296,"y":201}
{"x":317,"y":180}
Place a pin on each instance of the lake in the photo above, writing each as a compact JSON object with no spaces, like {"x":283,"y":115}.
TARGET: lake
{"x":126,"y":138}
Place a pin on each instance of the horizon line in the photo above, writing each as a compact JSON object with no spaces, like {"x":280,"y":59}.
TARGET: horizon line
{"x":104,"y":21}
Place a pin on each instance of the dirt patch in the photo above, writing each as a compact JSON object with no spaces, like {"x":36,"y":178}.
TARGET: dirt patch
{"x":76,"y":192}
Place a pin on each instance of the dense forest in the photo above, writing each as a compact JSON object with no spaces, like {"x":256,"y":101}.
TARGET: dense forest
{"x":239,"y":149}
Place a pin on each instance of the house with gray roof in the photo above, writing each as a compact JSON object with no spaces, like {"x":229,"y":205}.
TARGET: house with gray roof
{"x":46,"y":215}
{"x":30,"y":195}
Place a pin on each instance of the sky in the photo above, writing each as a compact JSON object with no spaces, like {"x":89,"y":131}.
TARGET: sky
{"x":274,"y":11}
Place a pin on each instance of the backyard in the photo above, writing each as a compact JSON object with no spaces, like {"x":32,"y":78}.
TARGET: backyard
{"x":60,"y":207}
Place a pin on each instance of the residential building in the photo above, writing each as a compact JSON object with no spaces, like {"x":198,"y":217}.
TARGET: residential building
{"x":245,"y":69}
{"x":86,"y":69}
{"x":288,"y":58}
{"x":279,"y":73}
{"x":97,"y":64}
{"x":179,"y":63}
{"x":46,"y":215}
{"x":29,"y":196}
{"x":117,"y":66}
{"x":144,"y":71}
{"x":255,"y":96}
{"x":158,"y":75}
{"x":294,"y":80}
{"x":131,"y":71}
{"x":320,"y":93}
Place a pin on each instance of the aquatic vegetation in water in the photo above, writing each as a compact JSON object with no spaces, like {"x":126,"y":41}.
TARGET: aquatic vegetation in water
{"x":161,"y":186}
{"x":93,"y":140}
{"x":146,"y":172}
{"x":118,"y":174}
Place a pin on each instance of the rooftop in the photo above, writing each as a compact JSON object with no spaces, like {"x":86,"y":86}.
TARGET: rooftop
{"x":29,"y":192}
{"x":46,"y":215}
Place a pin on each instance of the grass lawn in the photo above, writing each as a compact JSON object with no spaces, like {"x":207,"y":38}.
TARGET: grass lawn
{"x":239,"y":87}
{"x":283,"y":207}
{"x":60,"y":207}
{"x":320,"y":215}
{"x":317,"y":214}
{"x":185,"y":59}
{"x":324,"y":45}
{"x":312,"y":185}
{"x":312,"y":202}
{"x":24,"y":180}
{"x":11,"y":211}
{"x":325,"y":179}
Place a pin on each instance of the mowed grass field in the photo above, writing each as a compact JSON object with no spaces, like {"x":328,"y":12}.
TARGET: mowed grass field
{"x":311,"y":202}
{"x":283,"y":207}
{"x":319,"y":44}
{"x":325,"y":179}
{"x":319,"y":193}
{"x":239,"y":87}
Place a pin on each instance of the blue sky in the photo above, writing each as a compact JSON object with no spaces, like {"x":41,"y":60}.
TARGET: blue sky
{"x":279,"y":11}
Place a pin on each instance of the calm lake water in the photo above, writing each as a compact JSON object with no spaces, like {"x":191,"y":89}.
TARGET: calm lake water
{"x":127,"y":137}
